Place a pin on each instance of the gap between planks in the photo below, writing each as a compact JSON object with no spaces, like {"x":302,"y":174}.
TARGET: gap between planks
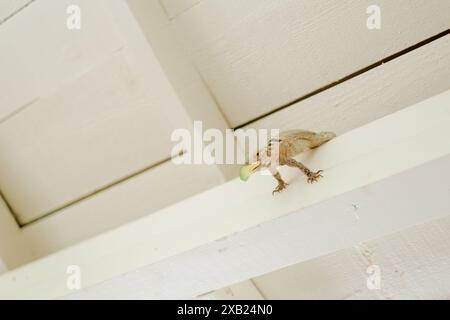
{"x":349,"y":77}
{"x":304,"y":97}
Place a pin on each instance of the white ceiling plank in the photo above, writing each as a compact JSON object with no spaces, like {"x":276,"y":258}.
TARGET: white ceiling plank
{"x":138,"y":197}
{"x":8,"y":8}
{"x":106,"y":114}
{"x":39,"y":53}
{"x":174,"y":8}
{"x":388,"y":88}
{"x":258,"y":55}
{"x":97,"y":129}
{"x":352,"y":161}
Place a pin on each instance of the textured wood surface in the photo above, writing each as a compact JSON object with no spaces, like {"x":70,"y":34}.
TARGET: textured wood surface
{"x":388,"y":88}
{"x":136,"y":198}
{"x":101,"y":106}
{"x":14,"y":250}
{"x":257,"y":55}
{"x":412,"y":264}
{"x":351,"y":162}
{"x":351,"y":219}
{"x":9,"y":8}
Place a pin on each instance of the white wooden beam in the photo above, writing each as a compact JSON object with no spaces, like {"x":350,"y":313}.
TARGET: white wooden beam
{"x":14,"y":249}
{"x":137,"y":197}
{"x":194,"y":95}
{"x":383,"y":148}
{"x":245,"y":290}
{"x":367,"y":213}
{"x":411,"y":264}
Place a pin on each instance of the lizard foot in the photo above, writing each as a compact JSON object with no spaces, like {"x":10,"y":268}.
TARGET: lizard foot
{"x":313,"y":176}
{"x":281,"y":186}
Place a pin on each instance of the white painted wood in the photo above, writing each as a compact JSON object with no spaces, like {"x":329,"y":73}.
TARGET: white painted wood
{"x":39,"y":53}
{"x":257,"y":55}
{"x":182,"y":74}
{"x":107,"y":113}
{"x":180,"y":71}
{"x":174,"y":8}
{"x":3,"y":268}
{"x":10,"y":7}
{"x":351,"y":161}
{"x":245,"y":290}
{"x":14,"y":250}
{"x":360,"y":215}
{"x":413,"y":264}
{"x":386,"y":89}
{"x":128,"y":201}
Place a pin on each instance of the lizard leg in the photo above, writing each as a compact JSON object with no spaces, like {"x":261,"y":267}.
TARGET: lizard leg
{"x":312,"y":176}
{"x":281,"y":184}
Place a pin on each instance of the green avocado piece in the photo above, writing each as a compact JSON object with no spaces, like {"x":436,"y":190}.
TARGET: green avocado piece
{"x":245,"y":172}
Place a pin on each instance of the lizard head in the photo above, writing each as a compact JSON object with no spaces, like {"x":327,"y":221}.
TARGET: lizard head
{"x":260,"y":160}
{"x":248,"y":169}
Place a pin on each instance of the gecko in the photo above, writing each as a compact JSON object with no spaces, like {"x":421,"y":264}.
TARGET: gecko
{"x":289,"y":144}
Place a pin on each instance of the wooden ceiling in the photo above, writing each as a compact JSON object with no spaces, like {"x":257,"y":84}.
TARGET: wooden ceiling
{"x":86,"y":116}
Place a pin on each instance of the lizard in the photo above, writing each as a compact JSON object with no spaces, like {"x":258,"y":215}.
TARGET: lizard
{"x":289,"y":144}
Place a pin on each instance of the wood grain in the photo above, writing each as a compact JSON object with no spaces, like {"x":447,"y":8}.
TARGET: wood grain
{"x":39,"y":53}
{"x":413,"y":264}
{"x":318,"y":230}
{"x":136,"y":198}
{"x":353,"y":161}
{"x":174,"y":8}
{"x":257,"y":55}
{"x":14,"y":249}
{"x":372,"y":95}
{"x":8,"y":8}
{"x":194,"y":95}
{"x":107,"y":113}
